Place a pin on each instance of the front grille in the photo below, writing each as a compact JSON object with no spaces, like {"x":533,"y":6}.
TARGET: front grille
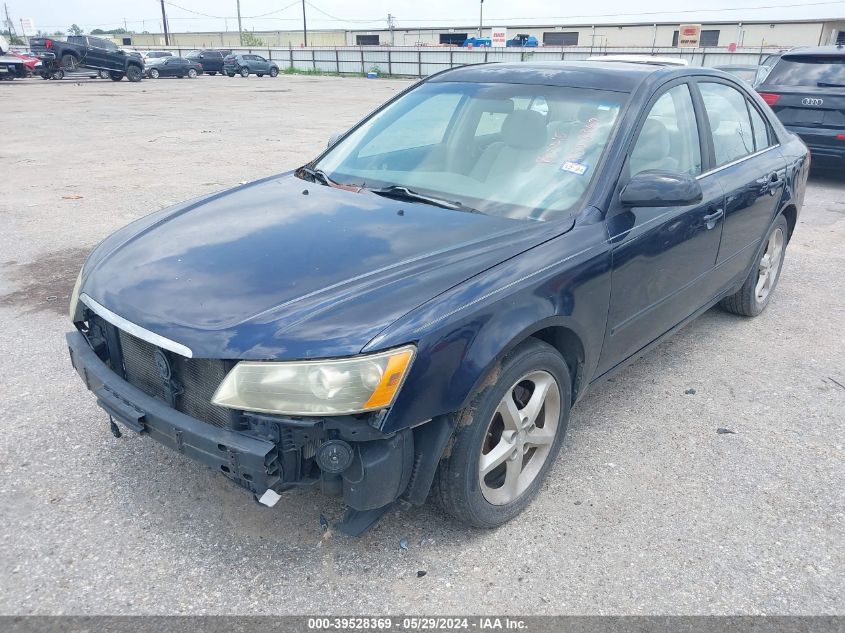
{"x":198,"y":378}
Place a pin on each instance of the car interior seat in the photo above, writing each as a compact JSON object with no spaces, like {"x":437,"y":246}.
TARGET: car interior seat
{"x":653,"y":149}
{"x":523,"y":136}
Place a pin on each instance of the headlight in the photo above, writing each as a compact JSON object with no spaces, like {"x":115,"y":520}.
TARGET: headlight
{"x":74,"y":299}
{"x":322,"y":387}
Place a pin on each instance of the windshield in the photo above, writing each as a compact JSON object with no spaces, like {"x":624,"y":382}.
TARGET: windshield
{"x":517,"y":151}
{"x":808,"y":71}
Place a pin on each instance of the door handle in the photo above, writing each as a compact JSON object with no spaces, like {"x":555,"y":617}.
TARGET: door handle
{"x":711,"y":219}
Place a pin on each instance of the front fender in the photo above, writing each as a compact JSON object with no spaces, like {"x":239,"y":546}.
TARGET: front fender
{"x":462,"y":334}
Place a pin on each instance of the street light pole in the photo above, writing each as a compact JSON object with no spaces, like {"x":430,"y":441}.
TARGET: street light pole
{"x":164,"y":25}
{"x":480,"y":18}
{"x":240,"y":31}
{"x":304,"y":25}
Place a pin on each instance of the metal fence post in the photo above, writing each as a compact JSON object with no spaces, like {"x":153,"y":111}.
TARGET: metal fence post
{"x":290,"y":55}
{"x":336,"y":60}
{"x":419,"y":63}
{"x":313,"y":59}
{"x":389,"y":64}
{"x":363,"y":70}
{"x":451,"y":58}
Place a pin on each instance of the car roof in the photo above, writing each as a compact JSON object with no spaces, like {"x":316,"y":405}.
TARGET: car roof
{"x":616,"y":76}
{"x":828,"y":51}
{"x":737,"y":67}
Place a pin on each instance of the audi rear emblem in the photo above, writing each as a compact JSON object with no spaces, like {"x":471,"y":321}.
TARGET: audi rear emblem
{"x":812,"y":102}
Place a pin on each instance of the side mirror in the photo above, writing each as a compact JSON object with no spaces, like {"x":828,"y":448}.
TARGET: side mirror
{"x":655,"y":188}
{"x":334,"y":138}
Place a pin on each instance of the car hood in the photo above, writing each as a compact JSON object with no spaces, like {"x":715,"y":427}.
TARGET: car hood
{"x":283,"y":268}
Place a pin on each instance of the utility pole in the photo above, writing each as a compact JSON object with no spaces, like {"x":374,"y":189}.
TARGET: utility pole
{"x":240,"y":31}
{"x":164,"y":24}
{"x":480,"y":18}
{"x":9,"y":24}
{"x":390,"y":27}
{"x":304,"y":25}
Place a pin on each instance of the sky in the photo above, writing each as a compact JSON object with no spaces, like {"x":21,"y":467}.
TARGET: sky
{"x":259,"y":15}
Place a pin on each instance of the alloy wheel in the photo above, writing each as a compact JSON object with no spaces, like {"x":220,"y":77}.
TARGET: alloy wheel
{"x":769,"y":267}
{"x":154,"y":73}
{"x":519,"y":437}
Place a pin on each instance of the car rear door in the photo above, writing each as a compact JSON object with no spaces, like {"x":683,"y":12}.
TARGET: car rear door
{"x":662,"y":257}
{"x":807,"y":93}
{"x":749,"y":166}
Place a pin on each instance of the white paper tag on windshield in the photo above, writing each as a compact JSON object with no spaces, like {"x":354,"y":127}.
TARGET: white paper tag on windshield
{"x":269,"y":498}
{"x":574,"y":168}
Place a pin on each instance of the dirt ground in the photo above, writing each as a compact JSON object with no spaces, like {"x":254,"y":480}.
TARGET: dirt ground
{"x":647,"y":511}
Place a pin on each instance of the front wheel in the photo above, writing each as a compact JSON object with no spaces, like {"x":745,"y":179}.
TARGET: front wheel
{"x":231,"y":74}
{"x":154,"y":73}
{"x":274,"y":72}
{"x":244,"y":72}
{"x":507,"y":438}
{"x":57,"y":74}
{"x":133,"y":73}
{"x":756,"y":292}
{"x":192,"y":73}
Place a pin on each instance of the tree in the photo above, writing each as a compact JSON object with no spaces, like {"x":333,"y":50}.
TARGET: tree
{"x":250,"y":39}
{"x":75,"y":30}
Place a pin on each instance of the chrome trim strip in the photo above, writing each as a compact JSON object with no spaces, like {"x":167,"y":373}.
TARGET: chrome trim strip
{"x":736,"y":162}
{"x":135,"y":330}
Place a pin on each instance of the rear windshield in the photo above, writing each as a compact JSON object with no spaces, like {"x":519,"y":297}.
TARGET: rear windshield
{"x":809,"y":71}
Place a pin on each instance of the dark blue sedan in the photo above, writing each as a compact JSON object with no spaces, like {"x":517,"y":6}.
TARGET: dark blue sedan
{"x":418,"y":309}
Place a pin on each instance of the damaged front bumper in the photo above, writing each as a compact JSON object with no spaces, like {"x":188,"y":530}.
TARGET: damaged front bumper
{"x":263,"y":452}
{"x":249,"y":460}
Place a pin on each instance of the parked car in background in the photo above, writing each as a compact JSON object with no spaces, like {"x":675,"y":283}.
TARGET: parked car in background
{"x":750,"y":73}
{"x":244,"y":65}
{"x":477,"y":42}
{"x":523,"y":40}
{"x":58,"y":56}
{"x":11,"y":66}
{"x":418,"y":308}
{"x":210,"y":59}
{"x":156,"y":57}
{"x":806,"y":90}
{"x":174,"y":67}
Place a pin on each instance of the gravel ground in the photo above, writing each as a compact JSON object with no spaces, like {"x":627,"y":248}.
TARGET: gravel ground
{"x":647,"y":511}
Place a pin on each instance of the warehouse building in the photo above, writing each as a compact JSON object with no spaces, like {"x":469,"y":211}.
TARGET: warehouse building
{"x":784,"y":34}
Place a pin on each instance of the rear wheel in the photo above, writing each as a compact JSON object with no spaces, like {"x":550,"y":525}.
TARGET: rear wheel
{"x":274,"y":72}
{"x":259,"y":74}
{"x":44,"y":75}
{"x":57,"y":74}
{"x":69,"y":62}
{"x":244,"y":72}
{"x":154,"y":73}
{"x":756,"y":292}
{"x":212,"y":72}
{"x":192,"y":73}
{"x":115,"y":76}
{"x":231,"y":74}
{"x":507,"y":438}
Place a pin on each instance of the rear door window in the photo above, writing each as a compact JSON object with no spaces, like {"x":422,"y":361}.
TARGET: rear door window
{"x":730,"y":123}
{"x":817,"y":71}
{"x":762,"y":137}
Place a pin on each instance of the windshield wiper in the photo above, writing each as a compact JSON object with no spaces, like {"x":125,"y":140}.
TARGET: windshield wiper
{"x":824,"y":84}
{"x":400,"y":192}
{"x":318,"y":175}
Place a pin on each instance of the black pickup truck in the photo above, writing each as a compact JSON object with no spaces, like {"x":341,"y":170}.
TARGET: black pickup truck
{"x":90,"y":52}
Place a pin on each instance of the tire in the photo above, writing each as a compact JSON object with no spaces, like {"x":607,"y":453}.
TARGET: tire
{"x":259,"y":74}
{"x":44,"y":75}
{"x":231,"y":74}
{"x":274,"y":72}
{"x":133,"y":74}
{"x":754,"y":295}
{"x":212,"y":72}
{"x":69,"y":62}
{"x":57,"y":74}
{"x":244,"y":72}
{"x":490,"y":500}
{"x":192,"y":74}
{"x":154,"y":73}
{"x":115,"y":76}
{"x":103,"y":74}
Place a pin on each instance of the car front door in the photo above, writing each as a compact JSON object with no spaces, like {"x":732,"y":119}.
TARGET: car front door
{"x":262,"y":65}
{"x":662,"y":257}
{"x":168,"y":67}
{"x":750,"y":168}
